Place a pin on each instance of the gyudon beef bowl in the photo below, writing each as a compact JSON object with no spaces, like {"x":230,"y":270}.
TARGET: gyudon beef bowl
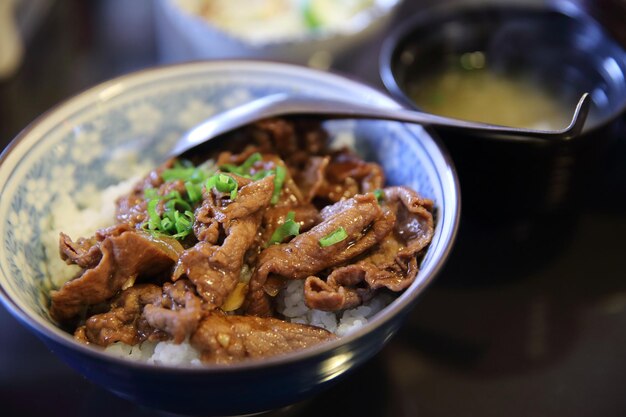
{"x":243,"y":277}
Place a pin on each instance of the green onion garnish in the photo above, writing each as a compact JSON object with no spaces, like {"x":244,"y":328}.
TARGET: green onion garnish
{"x":183,"y":223}
{"x":185,"y":171}
{"x":174,"y":200}
{"x":173,"y":222}
{"x":154,"y":220}
{"x":243,"y":170}
{"x":177,"y":218}
{"x":379,"y":194}
{"x":333,"y":237}
{"x":178,"y":174}
{"x":193,"y":177}
{"x":279,"y":179}
{"x":223,"y":183}
{"x":194,"y":191}
{"x":262,"y":174}
{"x":288,"y":228}
{"x":309,"y":16}
{"x":150,"y":193}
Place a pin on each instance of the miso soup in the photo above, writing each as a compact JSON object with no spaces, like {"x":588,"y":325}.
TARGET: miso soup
{"x":467,"y":89}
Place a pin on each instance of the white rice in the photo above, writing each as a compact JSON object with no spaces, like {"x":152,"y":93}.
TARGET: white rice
{"x":77,"y":217}
{"x":80,"y":216}
{"x":291,"y":305}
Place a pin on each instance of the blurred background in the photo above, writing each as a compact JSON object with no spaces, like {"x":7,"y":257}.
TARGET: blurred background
{"x":527,"y":319}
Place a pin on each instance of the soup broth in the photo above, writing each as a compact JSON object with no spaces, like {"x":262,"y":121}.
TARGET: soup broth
{"x":479,"y":94}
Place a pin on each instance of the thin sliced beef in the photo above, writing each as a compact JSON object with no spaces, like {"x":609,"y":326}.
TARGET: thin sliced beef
{"x":351,"y":285}
{"x":294,"y":141}
{"x":342,"y":289}
{"x":365,"y":225}
{"x":146,"y":312}
{"x":227,"y":339}
{"x":251,"y":199}
{"x":340,"y":176}
{"x":304,"y":255}
{"x":178,"y":312}
{"x":124,"y":321}
{"x":415,"y":219}
{"x":217,"y":208}
{"x":391,"y":264}
{"x":112,"y":231}
{"x":125,"y":257}
{"x":346,"y":165}
{"x":239,"y":158}
{"x":276,"y":136}
{"x":215,"y":269}
{"x":85,"y":252}
{"x":313,"y":177}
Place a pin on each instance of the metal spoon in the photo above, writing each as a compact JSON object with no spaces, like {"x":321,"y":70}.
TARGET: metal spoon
{"x":288,"y":105}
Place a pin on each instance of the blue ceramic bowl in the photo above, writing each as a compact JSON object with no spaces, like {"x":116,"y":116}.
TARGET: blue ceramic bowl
{"x":82,"y":145}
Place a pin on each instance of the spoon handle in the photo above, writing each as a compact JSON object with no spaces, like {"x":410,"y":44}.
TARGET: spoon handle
{"x":340,"y":110}
{"x":288,"y":105}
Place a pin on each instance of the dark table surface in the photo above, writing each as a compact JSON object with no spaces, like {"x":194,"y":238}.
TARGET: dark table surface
{"x":535,"y":328}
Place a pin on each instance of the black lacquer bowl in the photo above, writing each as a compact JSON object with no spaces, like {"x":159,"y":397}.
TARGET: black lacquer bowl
{"x":562,"y":50}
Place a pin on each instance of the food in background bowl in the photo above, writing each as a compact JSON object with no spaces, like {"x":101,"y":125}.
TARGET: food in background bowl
{"x":230,"y":259}
{"x":262,"y":21}
{"x":314,"y":32}
{"x":125,"y":127}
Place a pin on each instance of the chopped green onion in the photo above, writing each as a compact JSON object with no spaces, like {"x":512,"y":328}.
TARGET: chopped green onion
{"x":310,"y":18}
{"x":210,"y":183}
{"x":150,"y":193}
{"x":227,"y":184}
{"x":177,"y":216}
{"x":251,"y":160}
{"x":230,"y":168}
{"x":166,"y":224}
{"x":262,"y":174}
{"x":154,"y":220}
{"x":183,"y":223}
{"x":185,"y":171}
{"x":192,"y":176}
{"x":194,"y":191}
{"x":279,"y":179}
{"x":379,"y":194}
{"x":333,"y":237}
{"x":243,"y":170}
{"x":224,"y":184}
{"x":174,"y":199}
{"x":183,"y":174}
{"x":288,"y":228}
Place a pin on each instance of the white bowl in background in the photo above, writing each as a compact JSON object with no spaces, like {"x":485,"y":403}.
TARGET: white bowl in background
{"x":184,"y":36}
